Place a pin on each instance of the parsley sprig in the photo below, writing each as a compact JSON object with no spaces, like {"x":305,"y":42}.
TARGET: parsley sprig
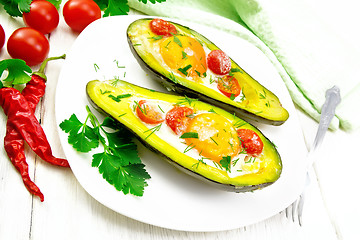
{"x":119,"y":163}
{"x":17,"y":72}
{"x":16,"y":8}
{"x":118,"y":7}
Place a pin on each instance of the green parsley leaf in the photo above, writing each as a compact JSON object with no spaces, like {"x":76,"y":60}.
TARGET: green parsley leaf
{"x":225,"y":162}
{"x":56,"y":3}
{"x":117,"y":7}
{"x":16,"y":8}
{"x":119,"y":163}
{"x":18,"y":71}
{"x":82,"y":137}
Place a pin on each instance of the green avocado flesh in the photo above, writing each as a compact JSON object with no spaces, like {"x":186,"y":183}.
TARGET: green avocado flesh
{"x":169,"y":59}
{"x":119,"y":100}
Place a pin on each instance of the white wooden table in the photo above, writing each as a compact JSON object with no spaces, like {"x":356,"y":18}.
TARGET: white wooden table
{"x":332,"y":209}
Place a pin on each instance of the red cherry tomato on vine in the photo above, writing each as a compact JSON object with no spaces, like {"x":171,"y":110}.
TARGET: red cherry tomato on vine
{"x":2,"y":36}
{"x":149,"y":113}
{"x":229,"y":86}
{"x":250,"y":141}
{"x":219,"y":62}
{"x":162,"y":27}
{"x":43,"y":16}
{"x":177,"y":118}
{"x":29,"y":45}
{"x":78,"y":14}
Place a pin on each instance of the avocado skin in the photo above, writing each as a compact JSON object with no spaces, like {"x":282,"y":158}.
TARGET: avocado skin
{"x":218,"y":185}
{"x":182,"y":90}
{"x":177,"y":87}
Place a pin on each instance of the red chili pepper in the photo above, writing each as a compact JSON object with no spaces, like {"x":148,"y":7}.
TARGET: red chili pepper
{"x":13,"y":141}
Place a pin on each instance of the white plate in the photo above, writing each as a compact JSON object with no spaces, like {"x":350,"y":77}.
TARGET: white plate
{"x":173,"y":199}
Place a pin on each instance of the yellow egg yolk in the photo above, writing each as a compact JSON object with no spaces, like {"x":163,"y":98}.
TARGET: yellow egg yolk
{"x":217,"y":137}
{"x":184,"y":55}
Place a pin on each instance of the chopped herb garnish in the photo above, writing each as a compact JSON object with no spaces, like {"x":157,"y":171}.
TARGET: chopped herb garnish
{"x":214,"y":141}
{"x":152,"y":130}
{"x":96,"y":67}
{"x":157,"y":37}
{"x":117,"y":64}
{"x":189,"y":147}
{"x":201,"y":160}
{"x":190,"y":135}
{"x":251,"y":160}
{"x":142,"y":109}
{"x":167,"y":45}
{"x":239,"y":123}
{"x":115,"y":81}
{"x":160,"y":109}
{"x":234,"y":70}
{"x":104,"y":92}
{"x":262,"y":96}
{"x":231,"y":145}
{"x":212,"y":110}
{"x":185,"y":69}
{"x":184,"y":55}
{"x":119,"y":97}
{"x":186,"y":100}
{"x":235,"y":161}
{"x":198,"y":73}
{"x":177,"y":41}
{"x":232,"y":96}
{"x":172,"y":77}
{"x":226,"y":163}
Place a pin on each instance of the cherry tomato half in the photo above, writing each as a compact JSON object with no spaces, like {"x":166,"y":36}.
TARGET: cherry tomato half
{"x":43,"y":16}
{"x":219,"y":62}
{"x":162,"y":27}
{"x":29,"y":45}
{"x":148,"y":113}
{"x":229,"y":86}
{"x":177,"y":118}
{"x":2,"y":36}
{"x":250,"y":141}
{"x":78,"y":14}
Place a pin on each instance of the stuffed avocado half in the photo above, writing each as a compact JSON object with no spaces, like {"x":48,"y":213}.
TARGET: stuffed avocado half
{"x":202,"y":140}
{"x":186,"y":62}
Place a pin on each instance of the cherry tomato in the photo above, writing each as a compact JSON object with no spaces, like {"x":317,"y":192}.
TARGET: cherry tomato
{"x":162,"y":27}
{"x":2,"y":36}
{"x":43,"y":16}
{"x":219,"y":62}
{"x":177,"y":118}
{"x":250,"y":141}
{"x":148,"y":113}
{"x":229,"y":86}
{"x":78,"y":14}
{"x":29,"y":45}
